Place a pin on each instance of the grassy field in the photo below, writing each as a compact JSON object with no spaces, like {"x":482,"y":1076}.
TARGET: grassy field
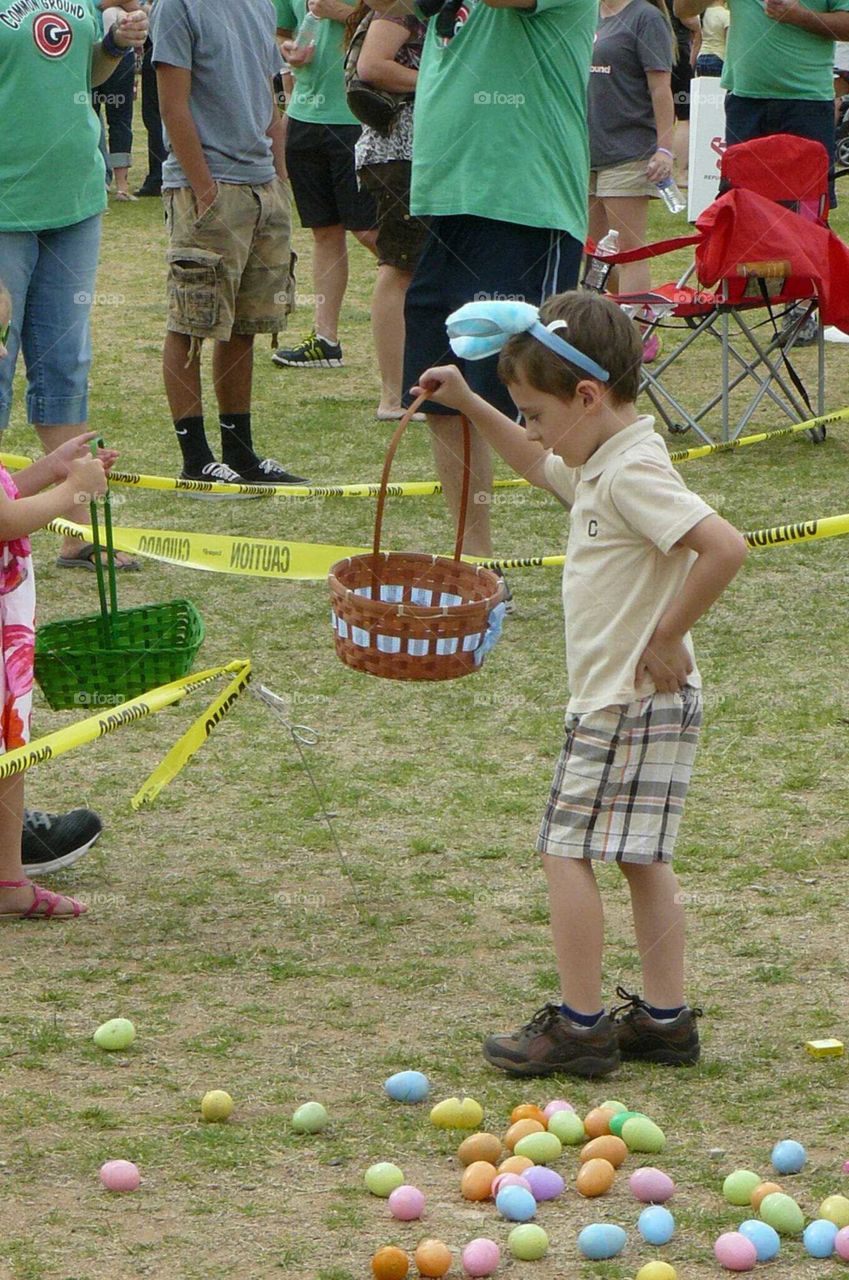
{"x":223,"y":924}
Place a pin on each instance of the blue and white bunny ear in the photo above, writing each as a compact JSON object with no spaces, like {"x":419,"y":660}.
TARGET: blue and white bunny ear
{"x":480,"y":329}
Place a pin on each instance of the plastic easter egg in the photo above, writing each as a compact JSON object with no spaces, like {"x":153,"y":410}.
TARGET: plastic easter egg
{"x":515,"y":1164}
{"x":607,"y":1147}
{"x":651,"y":1185}
{"x":642,"y":1134}
{"x":406,"y":1203}
{"x":836,"y":1210}
{"x":783,"y":1213}
{"x":735,"y":1252}
{"x":597,"y":1121}
{"x":407,"y":1086}
{"x":620,"y":1118}
{"x":528,"y":1111}
{"x":601,"y":1240}
{"x":311,"y":1117}
{"x":479,"y":1146}
{"x":390,"y":1263}
{"x":595,"y":1177}
{"x":568,"y":1127}
{"x":116,"y":1034}
{"x":521,"y":1129}
{"x":765,"y":1238}
{"x":516,"y":1204}
{"x":656,"y":1225}
{"x":819,"y":1237}
{"x":542,"y":1148}
{"x":481,"y":1257}
{"x":120,"y":1175}
{"x":432,"y":1257}
{"x":846,"y":1166}
{"x":216,"y":1106}
{"x":656,"y":1271}
{"x":760,"y":1193}
{"x":739,"y":1185}
{"x":476,"y":1183}
{"x":556,"y":1104}
{"x":381,"y":1179}
{"x":508,"y":1180}
{"x":457,"y":1113}
{"x":788,"y":1157}
{"x":546,"y":1184}
{"x":528,"y":1243}
{"x":615,"y":1106}
{"x":841,"y":1244}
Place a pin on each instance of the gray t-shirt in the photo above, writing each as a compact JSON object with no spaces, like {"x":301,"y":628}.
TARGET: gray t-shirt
{"x":633,"y":41}
{"x":232,"y":54}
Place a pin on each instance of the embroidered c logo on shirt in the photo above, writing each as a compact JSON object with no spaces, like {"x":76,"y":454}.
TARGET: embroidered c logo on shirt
{"x":52,"y":34}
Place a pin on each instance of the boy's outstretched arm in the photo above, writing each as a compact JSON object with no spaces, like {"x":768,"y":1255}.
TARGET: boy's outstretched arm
{"x":446,"y":385}
{"x":721,"y":550}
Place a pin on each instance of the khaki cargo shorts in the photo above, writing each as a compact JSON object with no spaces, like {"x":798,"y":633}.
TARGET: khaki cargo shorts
{"x":232,"y":269}
{"x":627,"y":179}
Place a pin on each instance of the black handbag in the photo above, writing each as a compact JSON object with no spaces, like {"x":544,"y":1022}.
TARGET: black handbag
{"x":377,"y":108}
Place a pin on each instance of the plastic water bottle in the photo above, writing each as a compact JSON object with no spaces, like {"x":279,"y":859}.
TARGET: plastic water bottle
{"x":670,"y":194}
{"x":307,"y":33}
{"x":598,"y":268}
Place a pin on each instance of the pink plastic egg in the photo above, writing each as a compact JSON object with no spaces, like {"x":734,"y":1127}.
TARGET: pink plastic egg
{"x":651,"y":1186}
{"x":406,"y":1203}
{"x":120,"y":1175}
{"x":545,"y":1184}
{"x":557,"y":1104}
{"x":846,"y":1167}
{"x":735,"y":1252}
{"x":481,"y":1257}
{"x":509,"y":1180}
{"x":841,"y":1244}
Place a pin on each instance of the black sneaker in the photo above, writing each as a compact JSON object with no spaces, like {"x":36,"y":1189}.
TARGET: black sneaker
{"x":269,"y":471}
{"x":312,"y":353}
{"x":643,"y":1039}
{"x":213,"y":473}
{"x":551,"y":1044}
{"x":806,"y":332}
{"x":54,"y":840}
{"x":148,"y":189}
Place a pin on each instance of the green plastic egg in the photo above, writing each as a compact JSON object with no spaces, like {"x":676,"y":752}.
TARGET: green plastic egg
{"x":568,"y":1127}
{"x":642,"y":1134}
{"x":782,"y":1213}
{"x":528,"y":1242}
{"x":382,"y":1179}
{"x":739,"y":1185}
{"x":310,"y":1117}
{"x":117,"y":1033}
{"x":613,"y":1105}
{"x":621,"y":1118}
{"x":542,"y":1148}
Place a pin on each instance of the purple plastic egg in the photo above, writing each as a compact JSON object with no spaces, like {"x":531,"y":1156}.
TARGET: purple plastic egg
{"x":735,"y":1252}
{"x":557,"y":1104}
{"x":481,"y":1257}
{"x":651,"y":1186}
{"x":406,"y":1203}
{"x":545,"y":1184}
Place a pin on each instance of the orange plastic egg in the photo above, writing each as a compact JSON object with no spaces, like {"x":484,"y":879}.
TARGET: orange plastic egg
{"x":479,"y":1146}
{"x":760,"y":1192}
{"x":515,"y":1164}
{"x":476,"y":1183}
{"x":432,"y":1258}
{"x":595,"y":1177}
{"x":528,"y":1111}
{"x":390,"y":1263}
{"x":597,"y":1121}
{"x":521,"y":1129}
{"x":607,"y":1147}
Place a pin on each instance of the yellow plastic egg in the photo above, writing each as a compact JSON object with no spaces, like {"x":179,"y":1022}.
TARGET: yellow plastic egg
{"x":432,"y":1257}
{"x":607,"y":1147}
{"x":597,"y":1121}
{"x":515,"y":1164}
{"x":595,"y":1177}
{"x":521,"y":1129}
{"x":479,"y":1146}
{"x":476,"y":1183}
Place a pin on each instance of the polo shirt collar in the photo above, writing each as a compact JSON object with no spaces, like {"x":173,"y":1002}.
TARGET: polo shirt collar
{"x":640,"y":430}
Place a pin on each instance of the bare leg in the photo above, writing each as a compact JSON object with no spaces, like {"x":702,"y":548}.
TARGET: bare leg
{"x":681,"y":147}
{"x":121,"y":183}
{"x":660,"y":928}
{"x":447,"y":439}
{"x":387,"y":323}
{"x":232,"y":372}
{"x":629,"y":215}
{"x":11,"y":868}
{"x":577,"y":927}
{"x":330,"y":278}
{"x":368,"y":239}
{"x":51,"y":438}
{"x":182,"y":384}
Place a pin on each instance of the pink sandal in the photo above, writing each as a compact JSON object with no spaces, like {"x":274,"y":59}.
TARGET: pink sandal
{"x":41,"y":898}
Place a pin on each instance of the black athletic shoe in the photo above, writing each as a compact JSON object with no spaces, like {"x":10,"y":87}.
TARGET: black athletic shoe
{"x":312,"y":353}
{"x":54,"y":840}
{"x":148,"y":189}
{"x":551,"y":1044}
{"x":213,"y":473}
{"x":806,"y":332}
{"x":643,"y":1039}
{"x":269,"y":471}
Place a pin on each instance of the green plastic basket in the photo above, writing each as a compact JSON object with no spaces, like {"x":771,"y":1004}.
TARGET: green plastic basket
{"x":117,"y":654}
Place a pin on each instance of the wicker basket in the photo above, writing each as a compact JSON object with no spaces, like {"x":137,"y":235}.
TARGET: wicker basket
{"x":409,"y":616}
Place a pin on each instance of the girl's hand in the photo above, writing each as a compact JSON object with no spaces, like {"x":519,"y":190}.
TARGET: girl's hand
{"x":131,"y":30}
{"x":86,"y":479}
{"x":659,"y":167}
{"x":78,"y":447}
{"x":446,"y":385}
{"x":294,"y":56}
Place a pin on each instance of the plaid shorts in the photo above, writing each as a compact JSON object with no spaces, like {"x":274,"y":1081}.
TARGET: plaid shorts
{"x":619,"y":787}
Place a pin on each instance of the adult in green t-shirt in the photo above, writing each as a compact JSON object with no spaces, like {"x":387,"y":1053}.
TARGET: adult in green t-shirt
{"x":52,"y":195}
{"x":501,"y":166}
{"x":321,"y":134}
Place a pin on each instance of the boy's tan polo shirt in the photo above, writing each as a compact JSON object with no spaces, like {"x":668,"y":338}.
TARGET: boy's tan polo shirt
{"x":629,"y":506}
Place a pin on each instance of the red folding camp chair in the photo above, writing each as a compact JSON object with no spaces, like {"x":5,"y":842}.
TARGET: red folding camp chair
{"x":757,"y":307}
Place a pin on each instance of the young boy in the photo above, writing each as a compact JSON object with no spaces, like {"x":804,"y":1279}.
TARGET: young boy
{"x":646,"y":558}
{"x":227,"y":213}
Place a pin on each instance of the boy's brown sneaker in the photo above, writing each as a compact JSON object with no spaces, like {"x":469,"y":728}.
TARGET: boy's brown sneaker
{"x":643,"y":1039}
{"x":551,"y":1044}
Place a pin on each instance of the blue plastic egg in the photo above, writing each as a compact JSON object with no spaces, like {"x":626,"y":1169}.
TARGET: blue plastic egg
{"x":765,"y":1238}
{"x":788,"y":1156}
{"x":407,"y":1086}
{"x":601,"y":1240}
{"x":517,"y":1204}
{"x":818,"y":1238}
{"x":656,"y":1225}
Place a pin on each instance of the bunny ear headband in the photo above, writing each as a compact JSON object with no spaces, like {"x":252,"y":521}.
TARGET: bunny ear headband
{"x":480,"y":329}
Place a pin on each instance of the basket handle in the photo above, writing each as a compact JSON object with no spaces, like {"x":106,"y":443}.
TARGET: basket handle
{"x":110,"y":556}
{"x":384,"y":482}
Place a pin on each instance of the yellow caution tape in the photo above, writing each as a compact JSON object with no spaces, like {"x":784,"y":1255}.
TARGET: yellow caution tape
{"x":99,"y":726}
{"x":705,"y":450}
